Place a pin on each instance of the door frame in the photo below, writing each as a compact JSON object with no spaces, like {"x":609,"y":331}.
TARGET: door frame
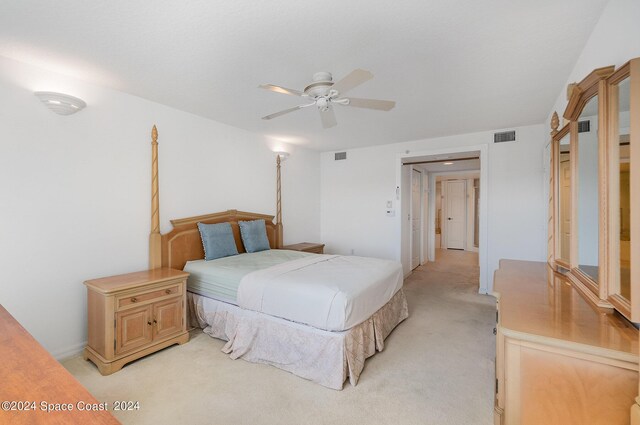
{"x":483,"y":253}
{"x":421,"y":220}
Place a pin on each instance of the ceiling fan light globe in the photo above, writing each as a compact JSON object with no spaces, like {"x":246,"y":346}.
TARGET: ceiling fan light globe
{"x":322,"y":103}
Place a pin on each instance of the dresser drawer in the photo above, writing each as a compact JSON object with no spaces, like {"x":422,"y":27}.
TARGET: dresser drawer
{"x":138,"y":298}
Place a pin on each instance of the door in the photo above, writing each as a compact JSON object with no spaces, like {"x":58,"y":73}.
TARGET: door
{"x":133,"y":328}
{"x":456,"y":199}
{"x":167,"y":317}
{"x":416,"y":217}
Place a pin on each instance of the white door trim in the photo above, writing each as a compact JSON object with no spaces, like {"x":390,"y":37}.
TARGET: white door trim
{"x":420,"y":221}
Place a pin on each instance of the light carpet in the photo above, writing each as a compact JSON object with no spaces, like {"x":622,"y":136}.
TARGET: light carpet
{"x":437,"y":368}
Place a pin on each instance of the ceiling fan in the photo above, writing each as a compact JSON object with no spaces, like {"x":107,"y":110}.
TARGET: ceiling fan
{"x":324,"y":93}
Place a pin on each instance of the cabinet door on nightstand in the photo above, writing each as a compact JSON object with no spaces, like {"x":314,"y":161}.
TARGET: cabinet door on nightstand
{"x":133,"y":328}
{"x":167,"y":317}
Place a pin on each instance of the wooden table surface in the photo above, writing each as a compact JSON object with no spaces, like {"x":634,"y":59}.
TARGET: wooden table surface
{"x":121,"y":282}
{"x":34,"y":380}
{"x":542,"y":303}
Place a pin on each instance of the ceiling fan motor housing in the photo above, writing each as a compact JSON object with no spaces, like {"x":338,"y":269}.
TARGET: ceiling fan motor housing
{"x":322,"y":82}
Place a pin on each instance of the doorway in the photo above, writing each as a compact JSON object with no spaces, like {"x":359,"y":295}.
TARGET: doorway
{"x":461,"y":202}
{"x":458,"y":211}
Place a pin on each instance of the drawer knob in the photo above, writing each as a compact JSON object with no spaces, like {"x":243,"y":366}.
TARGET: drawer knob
{"x":495,"y":331}
{"x":168,"y":291}
{"x":134,"y":300}
{"x":155,"y":322}
{"x":149,"y":323}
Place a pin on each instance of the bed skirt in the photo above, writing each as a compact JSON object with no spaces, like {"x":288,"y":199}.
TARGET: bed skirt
{"x":324,"y":357}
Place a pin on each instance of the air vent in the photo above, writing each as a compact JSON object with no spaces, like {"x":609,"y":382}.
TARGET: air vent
{"x":505,"y":136}
{"x":584,"y":126}
{"x":340,"y":156}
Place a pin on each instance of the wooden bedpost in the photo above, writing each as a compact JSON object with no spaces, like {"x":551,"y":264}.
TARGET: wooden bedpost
{"x":155,"y":252}
{"x":279,"y":236}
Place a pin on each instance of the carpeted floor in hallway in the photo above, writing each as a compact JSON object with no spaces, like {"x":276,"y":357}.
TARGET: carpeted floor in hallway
{"x":437,"y":368}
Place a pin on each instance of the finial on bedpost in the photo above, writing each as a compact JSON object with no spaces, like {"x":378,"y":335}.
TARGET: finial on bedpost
{"x":555,"y":123}
{"x":155,"y":251}
{"x":279,"y":236}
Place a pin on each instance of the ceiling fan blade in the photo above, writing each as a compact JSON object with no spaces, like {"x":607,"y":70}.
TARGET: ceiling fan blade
{"x":354,"y":79}
{"x":282,"y":90}
{"x":286,"y":111}
{"x":328,"y":118}
{"x":381,"y":105}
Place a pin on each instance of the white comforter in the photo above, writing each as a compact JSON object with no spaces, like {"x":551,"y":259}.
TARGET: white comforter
{"x":329,"y":292}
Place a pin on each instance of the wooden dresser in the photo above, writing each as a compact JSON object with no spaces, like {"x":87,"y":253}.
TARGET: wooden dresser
{"x":559,"y":360}
{"x":316,"y":248}
{"x":133,"y":315}
{"x":29,"y":377}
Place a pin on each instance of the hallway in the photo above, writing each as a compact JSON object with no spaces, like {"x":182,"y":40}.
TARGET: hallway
{"x":454,"y":334}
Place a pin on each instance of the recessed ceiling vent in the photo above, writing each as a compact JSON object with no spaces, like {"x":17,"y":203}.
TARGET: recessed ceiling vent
{"x":584,"y":126}
{"x":339,"y":156}
{"x":505,"y":136}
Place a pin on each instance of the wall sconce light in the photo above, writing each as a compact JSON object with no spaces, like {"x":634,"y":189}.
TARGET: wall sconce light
{"x":283,"y":155}
{"x":61,"y":104}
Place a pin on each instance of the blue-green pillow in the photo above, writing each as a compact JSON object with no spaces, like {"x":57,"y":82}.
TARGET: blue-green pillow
{"x":254,"y":235}
{"x":217,"y":240}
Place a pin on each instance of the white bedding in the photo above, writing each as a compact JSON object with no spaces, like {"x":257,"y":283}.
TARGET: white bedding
{"x":219,"y":279}
{"x":328,"y":292}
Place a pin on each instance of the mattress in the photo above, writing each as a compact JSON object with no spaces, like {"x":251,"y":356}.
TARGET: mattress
{"x":219,"y":279}
{"x":329,"y":292}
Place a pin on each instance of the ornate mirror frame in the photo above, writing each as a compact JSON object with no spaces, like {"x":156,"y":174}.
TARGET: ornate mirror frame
{"x":554,"y":190}
{"x":630,"y":308}
{"x":606,"y":292}
{"x":593,"y":84}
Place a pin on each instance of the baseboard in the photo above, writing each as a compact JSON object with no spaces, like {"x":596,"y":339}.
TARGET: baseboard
{"x":68,"y":352}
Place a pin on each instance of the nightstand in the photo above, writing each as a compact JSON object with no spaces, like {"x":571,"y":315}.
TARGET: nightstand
{"x":316,"y":248}
{"x":135,"y":314}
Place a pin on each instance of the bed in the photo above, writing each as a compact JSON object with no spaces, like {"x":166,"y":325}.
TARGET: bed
{"x":317,"y":316}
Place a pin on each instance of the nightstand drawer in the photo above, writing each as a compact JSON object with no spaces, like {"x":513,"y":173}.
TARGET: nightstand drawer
{"x":146,"y":297}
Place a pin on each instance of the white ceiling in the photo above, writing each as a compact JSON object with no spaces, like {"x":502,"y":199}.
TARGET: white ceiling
{"x":452,"y":66}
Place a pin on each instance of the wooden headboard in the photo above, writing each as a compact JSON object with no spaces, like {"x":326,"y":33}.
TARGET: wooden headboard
{"x":183,"y":242}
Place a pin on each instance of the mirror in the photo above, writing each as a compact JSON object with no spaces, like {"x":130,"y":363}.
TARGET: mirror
{"x":587,"y":190}
{"x":564,"y":198}
{"x":623,"y":136}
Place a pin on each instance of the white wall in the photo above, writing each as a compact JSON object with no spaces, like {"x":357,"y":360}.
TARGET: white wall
{"x":75,"y":191}
{"x":354,"y":193}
